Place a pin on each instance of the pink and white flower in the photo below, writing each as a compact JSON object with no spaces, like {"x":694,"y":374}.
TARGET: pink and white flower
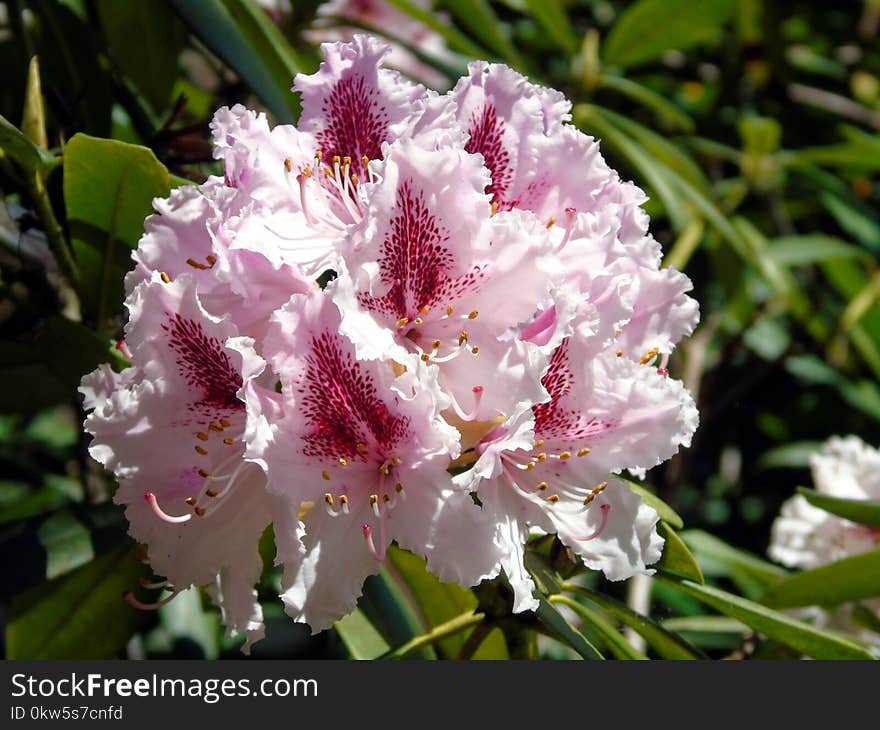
{"x":358,"y":451}
{"x":170,"y":428}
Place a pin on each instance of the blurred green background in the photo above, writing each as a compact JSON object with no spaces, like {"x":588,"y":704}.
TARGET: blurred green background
{"x":753,"y":125}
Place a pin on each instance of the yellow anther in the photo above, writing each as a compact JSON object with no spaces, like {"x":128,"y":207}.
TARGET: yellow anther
{"x":365,"y":161}
{"x":336,"y":159}
{"x":398,"y":487}
{"x":542,"y":456}
{"x":228,"y":441}
{"x":553,"y":498}
{"x":355,"y":179}
{"x":473,"y":315}
{"x":435,"y":345}
{"x":343,"y":462}
{"x":619,"y":353}
{"x":319,"y":155}
{"x":212,"y":492}
{"x":346,"y":160}
{"x":201,"y":450}
{"x":195,"y":264}
{"x":494,"y":208}
{"x":202,"y":436}
{"x":541,"y":487}
{"x":395,"y":459}
{"x":449,"y":310}
{"x":419,"y":321}
{"x":200,"y":511}
{"x":211,"y":260}
{"x":288,"y":165}
{"x":463,"y":338}
{"x":385,"y":469}
{"x":386,"y":499}
{"x":225,"y":423}
{"x":425,"y":357}
{"x":584,"y":451}
{"x":530,"y":466}
{"x":539,"y":443}
{"x":649,"y":355}
{"x":565,"y":455}
{"x":551,"y":222}
{"x":215,"y":427}
{"x":362,"y":448}
{"x":328,"y":498}
{"x":402,"y":322}
{"x":475,"y":350}
{"x":374,"y":499}
{"x":204,"y":473}
{"x":191,"y":501}
{"x":425,"y":309}
{"x":326,"y":476}
{"x":165,"y":278}
{"x":343,"y":499}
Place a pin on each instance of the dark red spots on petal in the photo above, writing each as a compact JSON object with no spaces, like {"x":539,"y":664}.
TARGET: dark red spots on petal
{"x":204,"y":364}
{"x":356,"y":122}
{"x":552,"y":419}
{"x":486,"y":132}
{"x":416,"y":263}
{"x":341,"y":406}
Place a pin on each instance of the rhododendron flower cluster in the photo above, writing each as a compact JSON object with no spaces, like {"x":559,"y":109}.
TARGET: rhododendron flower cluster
{"x":486,"y":352}
{"x":806,"y":537}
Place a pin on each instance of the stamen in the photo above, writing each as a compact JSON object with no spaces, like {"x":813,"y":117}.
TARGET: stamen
{"x":595,"y":493}
{"x":326,"y":476}
{"x":449,"y":310}
{"x":565,"y":455}
{"x":649,"y":355}
{"x":162,"y":515}
{"x":402,"y":322}
{"x":204,"y":473}
{"x":196,"y":265}
{"x":342,"y":461}
{"x":463,"y":338}
{"x":129,"y":598}
{"x":472,"y":415}
{"x":606,"y":508}
{"x":216,"y":427}
{"x":202,"y":436}
{"x":343,"y":500}
{"x":473,"y":315}
{"x":368,"y":536}
{"x":165,"y":278}
{"x":228,"y":441}
{"x":584,"y":451}
{"x":541,"y":486}
{"x":225,"y":423}
{"x":201,"y":450}
{"x":212,"y":492}
{"x":569,"y":214}
{"x":374,"y":503}
{"x":145,"y":583}
{"x":553,"y":498}
{"x":362,"y":448}
{"x":328,"y":505}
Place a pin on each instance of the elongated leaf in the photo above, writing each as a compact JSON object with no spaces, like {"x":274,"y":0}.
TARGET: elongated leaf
{"x":234,"y":32}
{"x":440,"y":602}
{"x":811,"y":249}
{"x":447,"y":31}
{"x":144,"y":40}
{"x":479,"y":18}
{"x":800,"y":636}
{"x":568,"y":634}
{"x":862,"y":511}
{"x":20,"y":149}
{"x":78,"y":616}
{"x":852,"y":220}
{"x":387,"y":604}
{"x":649,"y":28}
{"x":552,"y":16}
{"x":676,"y":557}
{"x":610,"y":636}
{"x":658,"y":505}
{"x":109,"y":187}
{"x":665,"y":109}
{"x":850,"y":579}
{"x":67,"y":543}
{"x":665,"y":642}
{"x":726,"y":559}
{"x":360,"y":637}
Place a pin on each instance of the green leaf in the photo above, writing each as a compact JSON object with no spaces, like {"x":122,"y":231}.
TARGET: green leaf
{"x":795,"y":455}
{"x":387,"y":604}
{"x":479,"y":18}
{"x":861,"y":511}
{"x":666,"y":512}
{"x":21,"y":150}
{"x":144,"y":40}
{"x":78,"y":616}
{"x":810,"y":249}
{"x":440,"y":602}
{"x":67,"y":542}
{"x":664,"y":641}
{"x":800,"y":636}
{"x":18,"y":501}
{"x":850,"y":579}
{"x":852,"y":220}
{"x":250,"y":45}
{"x":649,"y":28}
{"x":862,"y":394}
{"x":726,"y":559}
{"x":610,"y":636}
{"x":564,"y":631}
{"x":33,"y":119}
{"x":47,"y":366}
{"x":666,"y":110}
{"x":706,"y":624}
{"x":360,"y":636}
{"x":676,"y":557}
{"x":553,"y":18}
{"x":109,"y":187}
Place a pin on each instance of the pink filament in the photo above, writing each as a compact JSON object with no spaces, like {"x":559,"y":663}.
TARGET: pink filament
{"x":161,"y":514}
{"x":606,"y":508}
{"x":129,"y":598}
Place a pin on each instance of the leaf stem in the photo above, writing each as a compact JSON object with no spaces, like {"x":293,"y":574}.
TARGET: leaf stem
{"x":451,"y":627}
